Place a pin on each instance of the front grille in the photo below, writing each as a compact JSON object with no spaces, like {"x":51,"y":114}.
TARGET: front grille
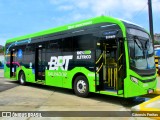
{"x":149,"y":80}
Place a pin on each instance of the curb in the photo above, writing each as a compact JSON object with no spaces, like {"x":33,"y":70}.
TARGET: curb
{"x":150,"y":105}
{"x":142,"y":106}
{"x":157,"y":92}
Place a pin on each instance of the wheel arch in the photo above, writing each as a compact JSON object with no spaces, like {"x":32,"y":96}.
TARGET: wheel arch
{"x":20,"y":73}
{"x":22,"y":77}
{"x":76,"y":75}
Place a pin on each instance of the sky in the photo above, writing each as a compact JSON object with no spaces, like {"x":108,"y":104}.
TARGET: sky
{"x":21,"y":17}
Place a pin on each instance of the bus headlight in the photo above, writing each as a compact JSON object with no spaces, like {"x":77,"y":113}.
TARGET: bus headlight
{"x":135,"y":80}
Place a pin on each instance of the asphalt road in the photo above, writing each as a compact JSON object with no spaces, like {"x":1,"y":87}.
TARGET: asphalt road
{"x":1,"y":73}
{"x":14,"y":97}
{"x":44,"y":98}
{"x":6,"y":84}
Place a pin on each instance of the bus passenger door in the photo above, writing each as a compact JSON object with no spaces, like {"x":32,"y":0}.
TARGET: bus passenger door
{"x":40,"y":64}
{"x":109,"y":66}
{"x":12,"y":64}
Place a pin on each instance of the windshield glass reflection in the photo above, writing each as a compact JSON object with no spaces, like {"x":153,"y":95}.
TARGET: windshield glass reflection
{"x":141,"y":51}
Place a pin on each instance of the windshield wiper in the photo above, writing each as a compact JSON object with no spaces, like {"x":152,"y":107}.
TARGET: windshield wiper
{"x":141,"y":46}
{"x":147,"y":45}
{"x":135,"y":40}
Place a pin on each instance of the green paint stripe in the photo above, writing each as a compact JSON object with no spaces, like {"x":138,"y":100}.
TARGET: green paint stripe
{"x":87,"y":52}
{"x":96,"y":20}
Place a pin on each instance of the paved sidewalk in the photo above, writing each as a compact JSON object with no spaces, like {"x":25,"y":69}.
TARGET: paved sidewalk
{"x":150,"y":106}
{"x":1,"y":73}
{"x":158,"y":84}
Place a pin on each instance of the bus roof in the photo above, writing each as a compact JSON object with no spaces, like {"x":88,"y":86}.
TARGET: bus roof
{"x":88,"y":22}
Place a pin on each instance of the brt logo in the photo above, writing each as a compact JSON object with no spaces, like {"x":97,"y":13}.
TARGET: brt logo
{"x":60,"y":61}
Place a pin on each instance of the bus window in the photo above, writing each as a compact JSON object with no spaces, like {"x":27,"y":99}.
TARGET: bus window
{"x":83,"y":42}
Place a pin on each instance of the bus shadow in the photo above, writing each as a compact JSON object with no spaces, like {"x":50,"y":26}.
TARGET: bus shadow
{"x":126,"y":102}
{"x":6,"y":85}
{"x":51,"y":88}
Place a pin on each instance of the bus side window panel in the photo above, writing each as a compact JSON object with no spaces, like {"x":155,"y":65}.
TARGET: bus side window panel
{"x":7,"y":59}
{"x":53,"y":49}
{"x":15,"y":62}
{"x":48,"y":54}
{"x":83,"y":46}
{"x":19,"y":56}
{"x":6,"y":63}
{"x":12,"y":62}
{"x":121,"y":64}
{"x":30,"y":58}
{"x":25,"y":59}
{"x":68,"y":50}
{"x":85,"y":57}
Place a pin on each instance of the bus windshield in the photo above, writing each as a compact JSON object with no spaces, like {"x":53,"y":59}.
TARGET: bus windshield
{"x":140,"y":50}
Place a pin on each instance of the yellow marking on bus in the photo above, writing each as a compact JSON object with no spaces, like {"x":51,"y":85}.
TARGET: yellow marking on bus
{"x":120,"y":57}
{"x":7,"y":55}
{"x":99,"y":58}
{"x":115,"y":81}
{"x":120,"y":68}
{"x":109,"y":76}
{"x":10,"y":55}
{"x":114,"y":78}
{"x":99,"y":68}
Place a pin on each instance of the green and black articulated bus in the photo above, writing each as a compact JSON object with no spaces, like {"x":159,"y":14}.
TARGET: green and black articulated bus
{"x":102,"y":55}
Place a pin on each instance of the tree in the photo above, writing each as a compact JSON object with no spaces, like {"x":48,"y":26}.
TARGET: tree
{"x":1,"y":49}
{"x":156,"y":42}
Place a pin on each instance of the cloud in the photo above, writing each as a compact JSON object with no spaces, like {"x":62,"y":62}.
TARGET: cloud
{"x":103,"y":6}
{"x":65,"y":7}
{"x":57,"y":2}
{"x":3,"y":40}
{"x":125,"y":8}
{"x":5,"y":36}
{"x":130,"y":10}
{"x":156,"y":6}
{"x":117,"y":8}
{"x":83,"y":4}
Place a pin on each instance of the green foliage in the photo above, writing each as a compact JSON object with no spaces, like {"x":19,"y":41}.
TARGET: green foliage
{"x":1,"y":50}
{"x":156,"y":42}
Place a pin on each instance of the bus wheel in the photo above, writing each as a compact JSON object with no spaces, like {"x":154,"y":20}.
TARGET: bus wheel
{"x":81,"y":87}
{"x":22,"y":78}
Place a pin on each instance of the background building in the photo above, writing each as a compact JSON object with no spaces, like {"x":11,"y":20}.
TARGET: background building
{"x":157,"y":36}
{"x":1,"y":56}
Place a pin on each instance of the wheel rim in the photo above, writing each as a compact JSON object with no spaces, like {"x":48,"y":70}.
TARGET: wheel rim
{"x":81,"y":86}
{"x":22,"y":79}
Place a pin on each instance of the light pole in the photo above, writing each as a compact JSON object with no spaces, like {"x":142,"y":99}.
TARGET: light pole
{"x":150,"y":19}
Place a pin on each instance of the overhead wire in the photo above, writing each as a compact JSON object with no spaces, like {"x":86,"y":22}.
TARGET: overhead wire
{"x":138,"y":12}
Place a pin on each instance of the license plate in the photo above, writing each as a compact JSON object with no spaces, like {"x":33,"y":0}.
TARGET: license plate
{"x":150,"y":91}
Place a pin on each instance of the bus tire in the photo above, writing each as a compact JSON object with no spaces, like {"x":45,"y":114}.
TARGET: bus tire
{"x":22,"y":78}
{"x":81,"y":86}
